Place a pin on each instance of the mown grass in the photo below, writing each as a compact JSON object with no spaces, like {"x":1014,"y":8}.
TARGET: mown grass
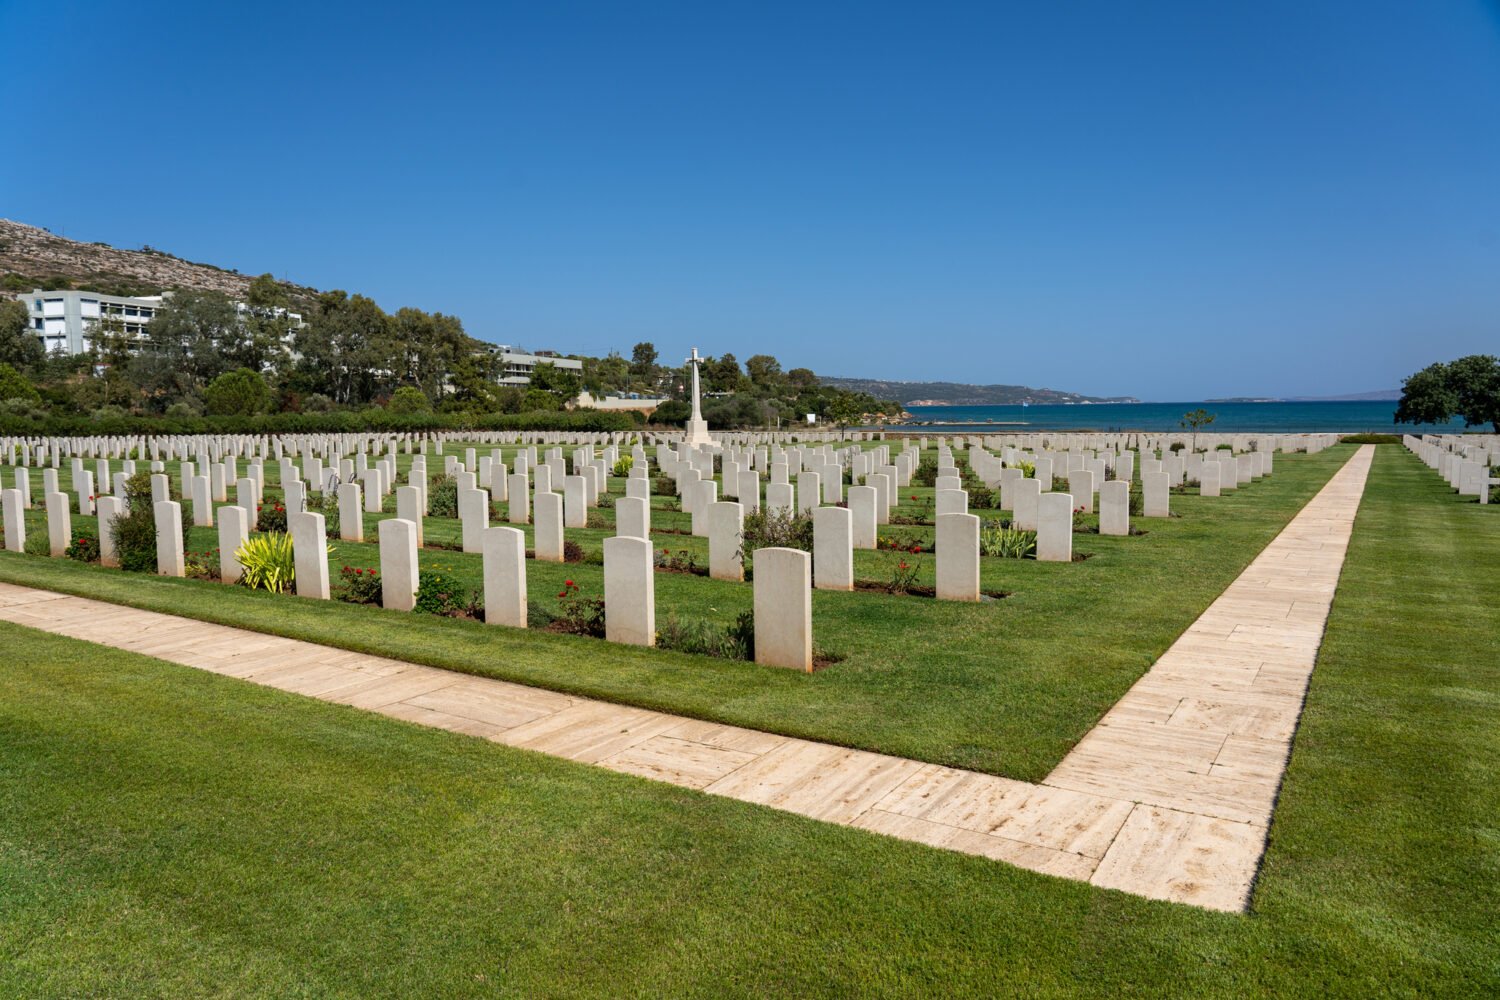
{"x":165,"y":832}
{"x":1006,"y":686}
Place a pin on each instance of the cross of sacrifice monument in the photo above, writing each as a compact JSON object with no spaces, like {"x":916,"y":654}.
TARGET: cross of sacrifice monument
{"x":697,"y":427}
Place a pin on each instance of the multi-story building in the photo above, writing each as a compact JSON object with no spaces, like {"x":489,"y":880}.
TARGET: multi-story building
{"x":516,"y":366}
{"x":62,"y":319}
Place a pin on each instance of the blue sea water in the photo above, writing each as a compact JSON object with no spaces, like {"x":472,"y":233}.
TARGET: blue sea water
{"x":1290,"y":418}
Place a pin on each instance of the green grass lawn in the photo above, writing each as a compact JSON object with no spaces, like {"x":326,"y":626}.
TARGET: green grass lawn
{"x":167,"y":832}
{"x":1005,"y":686}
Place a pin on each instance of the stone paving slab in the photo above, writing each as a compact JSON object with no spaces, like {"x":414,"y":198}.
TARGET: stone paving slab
{"x":1169,"y":797}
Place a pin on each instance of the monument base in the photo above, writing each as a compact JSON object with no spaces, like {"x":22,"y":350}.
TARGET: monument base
{"x":697,"y":432}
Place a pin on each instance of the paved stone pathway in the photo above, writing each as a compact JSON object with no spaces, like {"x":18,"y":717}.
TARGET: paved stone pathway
{"x":1169,"y":796}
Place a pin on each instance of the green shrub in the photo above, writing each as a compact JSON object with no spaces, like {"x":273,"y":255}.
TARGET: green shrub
{"x":776,"y":528}
{"x":268,"y":563}
{"x":14,"y":385}
{"x":442,"y":497}
{"x":440,"y":595}
{"x":134,"y":531}
{"x":241,"y":392}
{"x":624,"y":465}
{"x":409,"y":399}
{"x":1370,"y":439}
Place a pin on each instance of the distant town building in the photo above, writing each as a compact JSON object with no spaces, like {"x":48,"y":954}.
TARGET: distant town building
{"x":64,"y":318}
{"x":516,"y":366}
{"x":618,"y":401}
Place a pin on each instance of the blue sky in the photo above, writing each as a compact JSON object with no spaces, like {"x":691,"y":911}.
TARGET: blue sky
{"x":1170,"y":200}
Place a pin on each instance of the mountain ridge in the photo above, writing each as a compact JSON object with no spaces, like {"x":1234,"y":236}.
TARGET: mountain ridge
{"x":36,"y":257}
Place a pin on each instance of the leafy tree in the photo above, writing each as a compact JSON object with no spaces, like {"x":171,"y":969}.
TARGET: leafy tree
{"x":19,"y":346}
{"x":409,"y":399}
{"x":643,"y":360}
{"x":109,"y":356}
{"x":801,"y":379}
{"x":14,"y":385}
{"x":1197,"y":418}
{"x":1468,"y":388}
{"x":560,"y":382}
{"x":723,"y":374}
{"x":241,"y":392}
{"x":346,"y":348}
{"x":764,"y":370}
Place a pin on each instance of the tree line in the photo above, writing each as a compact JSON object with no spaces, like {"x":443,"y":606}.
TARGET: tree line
{"x":205,"y":354}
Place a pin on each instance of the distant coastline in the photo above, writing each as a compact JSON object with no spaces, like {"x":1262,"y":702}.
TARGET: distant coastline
{"x":1239,"y":417}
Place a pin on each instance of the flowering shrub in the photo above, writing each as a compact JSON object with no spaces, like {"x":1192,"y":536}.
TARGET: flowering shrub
{"x":358,"y":585}
{"x":624,"y":465}
{"x":903,"y":574}
{"x":578,"y":614}
{"x":84,"y":549}
{"x":901,"y":541}
{"x":682,"y":561}
{"x":270,"y":517}
{"x":202,"y":565}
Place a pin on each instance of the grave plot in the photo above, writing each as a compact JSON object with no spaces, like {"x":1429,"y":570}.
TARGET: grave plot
{"x":973,"y":656}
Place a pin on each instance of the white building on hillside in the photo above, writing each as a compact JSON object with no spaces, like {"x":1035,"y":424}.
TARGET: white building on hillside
{"x":516,"y":366}
{"x":62,"y":319}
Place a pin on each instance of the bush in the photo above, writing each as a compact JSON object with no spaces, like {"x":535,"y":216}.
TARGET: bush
{"x":572,"y":551}
{"x":409,"y":399}
{"x":664,"y":486}
{"x":84,"y":549}
{"x":442,"y":497}
{"x":776,"y":528}
{"x":134,"y":532}
{"x":440,"y":595}
{"x":241,"y":392}
{"x":268,"y":563}
{"x":624,"y":465}
{"x":358,"y":585}
{"x":14,"y":385}
{"x":1370,"y":439}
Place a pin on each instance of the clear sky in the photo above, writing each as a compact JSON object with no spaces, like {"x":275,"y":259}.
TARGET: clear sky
{"x":1170,"y":200}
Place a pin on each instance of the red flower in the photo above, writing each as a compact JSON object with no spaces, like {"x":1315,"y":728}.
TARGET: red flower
{"x":562,"y":595}
{"x":567,"y":583}
{"x":359,"y":572}
{"x":903,"y":564}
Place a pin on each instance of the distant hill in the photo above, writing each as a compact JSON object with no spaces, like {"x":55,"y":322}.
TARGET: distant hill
{"x":34,"y":257}
{"x":963,"y":394}
{"x":1379,"y":395}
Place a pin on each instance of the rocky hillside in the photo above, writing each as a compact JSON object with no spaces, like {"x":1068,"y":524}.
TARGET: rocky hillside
{"x":962,"y":394}
{"x":30,"y":257}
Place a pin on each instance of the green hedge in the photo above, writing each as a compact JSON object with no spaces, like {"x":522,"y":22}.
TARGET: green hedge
{"x":341,"y":422}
